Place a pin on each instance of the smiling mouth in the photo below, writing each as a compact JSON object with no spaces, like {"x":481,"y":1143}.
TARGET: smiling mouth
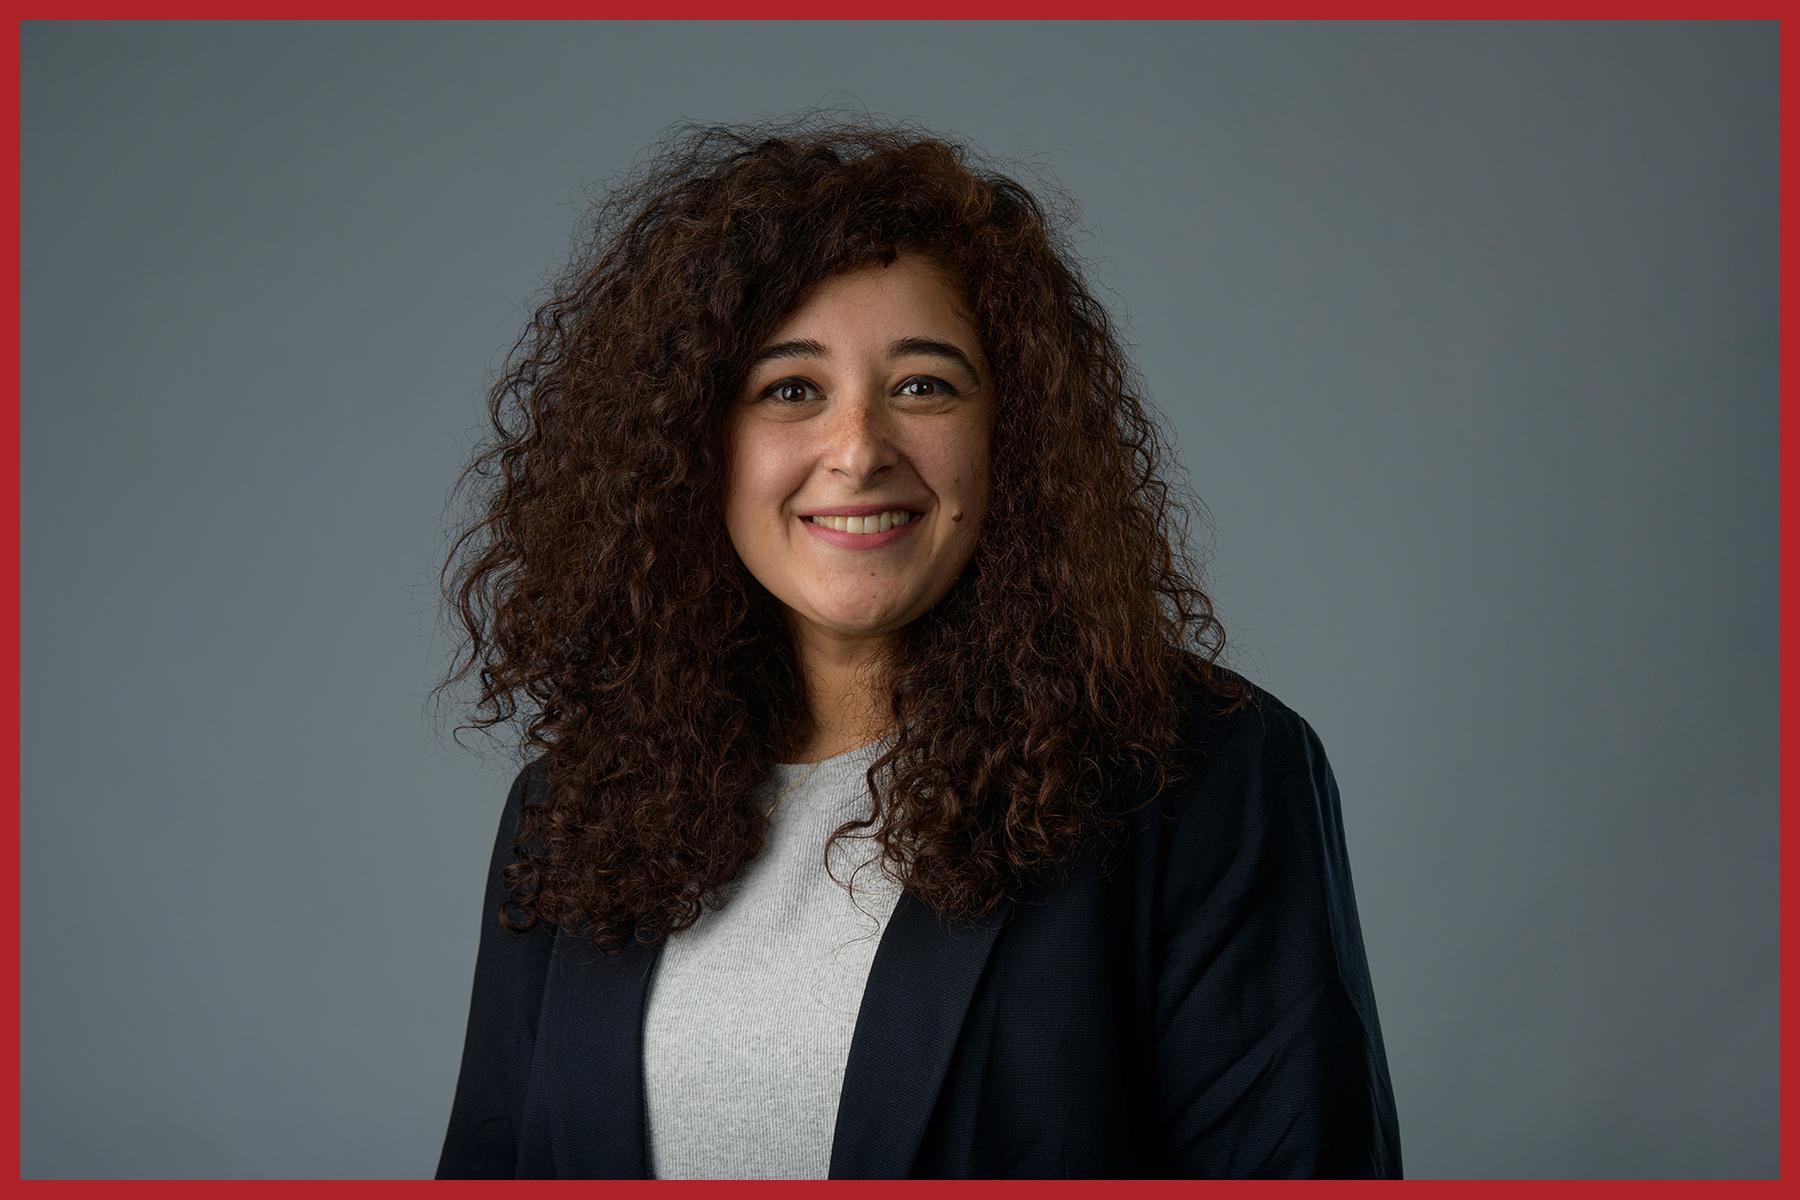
{"x":877,"y":523}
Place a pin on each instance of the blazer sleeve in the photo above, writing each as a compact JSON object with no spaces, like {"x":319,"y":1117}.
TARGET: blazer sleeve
{"x":482,"y":1139}
{"x":1269,"y":1056}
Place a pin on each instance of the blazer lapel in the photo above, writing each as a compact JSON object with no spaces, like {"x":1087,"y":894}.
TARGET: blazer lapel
{"x":913,"y":1005}
{"x":586,"y":1117}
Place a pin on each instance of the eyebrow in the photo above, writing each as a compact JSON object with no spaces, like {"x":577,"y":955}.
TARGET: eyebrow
{"x":899,"y":347}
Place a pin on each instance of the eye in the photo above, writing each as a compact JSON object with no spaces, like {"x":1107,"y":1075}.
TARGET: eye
{"x":783,"y":384}
{"x":942,"y":387}
{"x":775,"y":391}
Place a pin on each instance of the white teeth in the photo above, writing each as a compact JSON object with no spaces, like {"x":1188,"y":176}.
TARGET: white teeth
{"x":878,"y":523}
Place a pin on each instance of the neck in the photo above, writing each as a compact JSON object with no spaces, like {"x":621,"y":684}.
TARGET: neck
{"x":845,"y":694}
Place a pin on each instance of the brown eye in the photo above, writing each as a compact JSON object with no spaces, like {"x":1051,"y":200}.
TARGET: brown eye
{"x":942,"y":387}
{"x":779,"y":390}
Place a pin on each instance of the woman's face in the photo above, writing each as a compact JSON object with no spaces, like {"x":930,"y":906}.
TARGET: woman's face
{"x":874,"y":392}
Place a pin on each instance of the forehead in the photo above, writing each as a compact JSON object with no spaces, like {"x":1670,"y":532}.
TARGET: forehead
{"x":910,"y":291}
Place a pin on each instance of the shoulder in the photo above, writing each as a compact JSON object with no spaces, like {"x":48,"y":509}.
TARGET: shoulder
{"x":1254,"y":783}
{"x":528,"y":788}
{"x":1263,"y":730}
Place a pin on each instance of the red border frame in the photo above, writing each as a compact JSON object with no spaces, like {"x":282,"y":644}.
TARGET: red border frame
{"x":9,"y":519}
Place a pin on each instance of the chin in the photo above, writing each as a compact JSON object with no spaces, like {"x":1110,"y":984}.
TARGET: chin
{"x":861,"y":628}
{"x":858,"y":624}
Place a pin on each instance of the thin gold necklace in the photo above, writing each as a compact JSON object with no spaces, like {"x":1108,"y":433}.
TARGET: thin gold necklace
{"x":770,"y":811}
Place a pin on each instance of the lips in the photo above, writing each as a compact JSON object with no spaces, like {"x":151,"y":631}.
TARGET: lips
{"x":864,"y":510}
{"x":843,"y":539}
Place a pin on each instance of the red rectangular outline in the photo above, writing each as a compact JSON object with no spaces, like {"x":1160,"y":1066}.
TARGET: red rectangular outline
{"x":961,"y":12}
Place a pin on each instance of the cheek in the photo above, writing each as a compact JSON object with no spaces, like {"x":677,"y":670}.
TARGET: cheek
{"x":972,"y":464}
{"x":759,"y":469}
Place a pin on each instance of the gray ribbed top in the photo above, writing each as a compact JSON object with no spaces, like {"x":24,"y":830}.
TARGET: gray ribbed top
{"x":751,"y":1009}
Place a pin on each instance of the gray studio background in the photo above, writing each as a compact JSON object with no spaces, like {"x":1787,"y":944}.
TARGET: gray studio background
{"x":1466,"y":335}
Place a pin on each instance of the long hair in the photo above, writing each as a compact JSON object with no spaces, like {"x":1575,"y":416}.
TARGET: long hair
{"x":662,"y":684}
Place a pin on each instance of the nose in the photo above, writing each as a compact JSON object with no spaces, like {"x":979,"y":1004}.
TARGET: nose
{"x":859,"y":439}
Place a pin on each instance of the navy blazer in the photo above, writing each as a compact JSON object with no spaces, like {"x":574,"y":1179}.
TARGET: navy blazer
{"x":1191,"y":1002}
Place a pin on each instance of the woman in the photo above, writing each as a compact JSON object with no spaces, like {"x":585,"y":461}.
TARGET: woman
{"x":1103,"y":924}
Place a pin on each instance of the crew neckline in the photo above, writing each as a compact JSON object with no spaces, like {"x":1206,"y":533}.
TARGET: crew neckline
{"x":790,"y":771}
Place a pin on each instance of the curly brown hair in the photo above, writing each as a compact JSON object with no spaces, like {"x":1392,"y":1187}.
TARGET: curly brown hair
{"x":663,"y":681}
